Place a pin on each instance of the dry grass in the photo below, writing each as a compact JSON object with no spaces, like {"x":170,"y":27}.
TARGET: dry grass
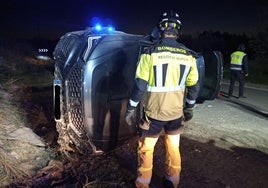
{"x":9,"y":169}
{"x":10,"y":114}
{"x":10,"y":119}
{"x":15,"y":70}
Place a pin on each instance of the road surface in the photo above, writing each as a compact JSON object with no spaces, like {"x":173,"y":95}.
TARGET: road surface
{"x":256,"y":97}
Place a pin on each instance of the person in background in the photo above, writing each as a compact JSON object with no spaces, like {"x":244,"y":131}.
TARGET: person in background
{"x":239,"y":69}
{"x":166,"y":82}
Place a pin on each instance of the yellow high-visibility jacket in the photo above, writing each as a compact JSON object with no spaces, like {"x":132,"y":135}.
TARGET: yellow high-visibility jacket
{"x":163,"y":73}
{"x":239,"y":61}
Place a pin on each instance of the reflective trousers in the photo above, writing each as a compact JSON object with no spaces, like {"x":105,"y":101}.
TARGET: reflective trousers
{"x":145,"y":160}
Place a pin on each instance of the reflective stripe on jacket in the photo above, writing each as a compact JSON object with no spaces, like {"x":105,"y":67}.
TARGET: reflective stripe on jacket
{"x":167,"y":68}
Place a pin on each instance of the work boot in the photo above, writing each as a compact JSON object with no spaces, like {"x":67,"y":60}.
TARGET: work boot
{"x":241,"y":97}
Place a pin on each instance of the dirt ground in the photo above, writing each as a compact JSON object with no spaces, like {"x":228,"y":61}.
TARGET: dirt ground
{"x":223,"y":146}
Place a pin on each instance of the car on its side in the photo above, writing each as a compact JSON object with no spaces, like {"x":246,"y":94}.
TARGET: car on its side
{"x":93,"y":77}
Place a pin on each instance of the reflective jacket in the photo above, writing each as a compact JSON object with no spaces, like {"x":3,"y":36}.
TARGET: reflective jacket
{"x":163,"y":72}
{"x":239,"y":61}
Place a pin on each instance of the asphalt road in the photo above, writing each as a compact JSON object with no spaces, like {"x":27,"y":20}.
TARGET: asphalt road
{"x":256,"y":97}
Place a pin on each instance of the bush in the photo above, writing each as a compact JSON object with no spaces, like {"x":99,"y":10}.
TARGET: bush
{"x":258,"y":71}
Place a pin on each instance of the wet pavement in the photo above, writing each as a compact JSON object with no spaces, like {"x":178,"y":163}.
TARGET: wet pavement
{"x":256,"y":97}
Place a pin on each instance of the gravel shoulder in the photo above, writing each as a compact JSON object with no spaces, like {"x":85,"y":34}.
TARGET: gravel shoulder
{"x":225,"y":145}
{"x":227,"y":123}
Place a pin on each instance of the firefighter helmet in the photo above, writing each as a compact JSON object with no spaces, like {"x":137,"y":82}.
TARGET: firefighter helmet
{"x":169,"y":21}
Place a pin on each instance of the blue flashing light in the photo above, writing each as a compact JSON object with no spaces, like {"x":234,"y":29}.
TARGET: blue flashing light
{"x":101,"y":26}
{"x":98,"y":27}
{"x":110,"y":29}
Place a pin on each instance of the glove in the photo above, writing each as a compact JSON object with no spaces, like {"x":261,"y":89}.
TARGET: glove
{"x":129,"y":117}
{"x":188,"y":114}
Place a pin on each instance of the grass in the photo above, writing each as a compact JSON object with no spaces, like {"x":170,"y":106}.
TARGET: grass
{"x":18,"y":72}
{"x":10,"y":167}
{"x":10,"y":118}
{"x":258,"y":72}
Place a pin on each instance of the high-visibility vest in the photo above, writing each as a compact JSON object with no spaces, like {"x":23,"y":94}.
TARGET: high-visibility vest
{"x":167,"y":70}
{"x":237,"y":60}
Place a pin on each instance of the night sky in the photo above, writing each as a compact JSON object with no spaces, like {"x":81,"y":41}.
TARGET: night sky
{"x":53,"y":18}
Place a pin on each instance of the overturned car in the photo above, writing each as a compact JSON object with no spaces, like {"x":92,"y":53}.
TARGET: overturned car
{"x":94,"y":75}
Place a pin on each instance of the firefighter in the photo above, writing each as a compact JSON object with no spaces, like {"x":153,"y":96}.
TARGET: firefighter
{"x":166,"y":76}
{"x":239,"y":69}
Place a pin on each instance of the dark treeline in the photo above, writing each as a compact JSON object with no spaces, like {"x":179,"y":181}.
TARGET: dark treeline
{"x":205,"y":41}
{"x":226,"y":43}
